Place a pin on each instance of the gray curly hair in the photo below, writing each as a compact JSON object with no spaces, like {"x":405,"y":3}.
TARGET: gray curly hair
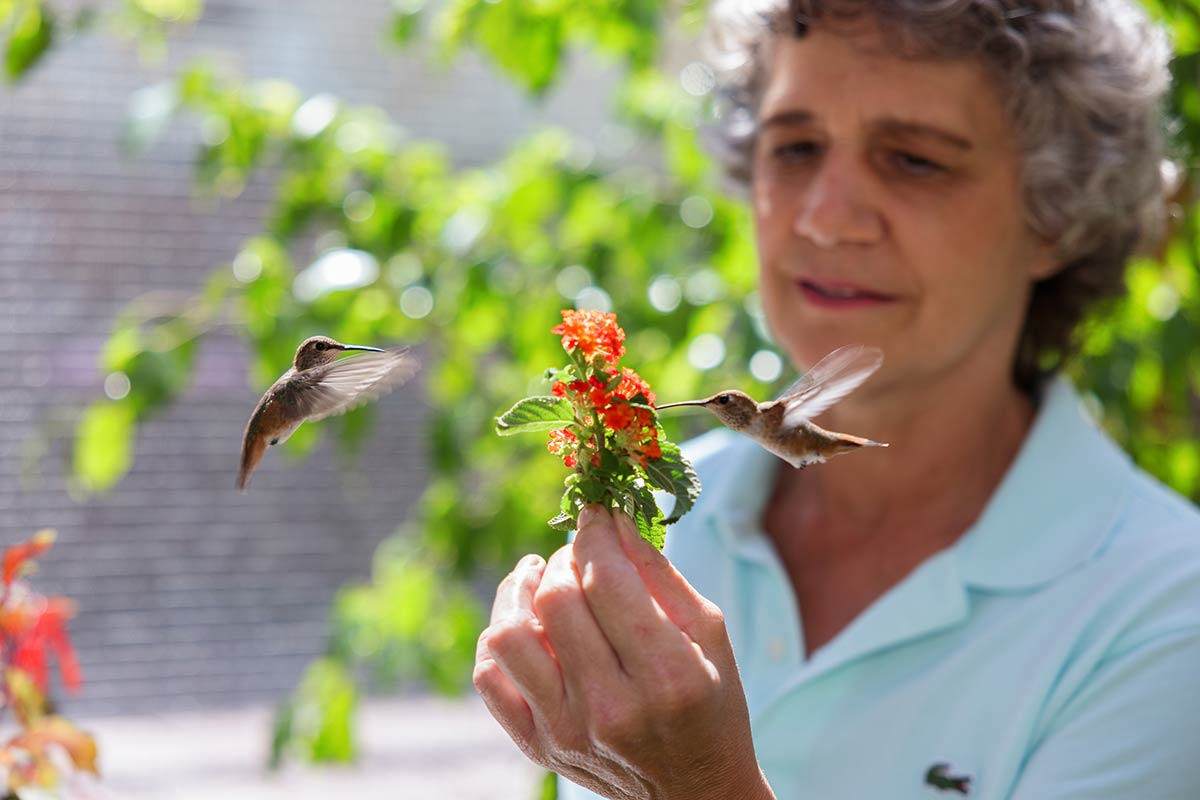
{"x":1084,"y":81}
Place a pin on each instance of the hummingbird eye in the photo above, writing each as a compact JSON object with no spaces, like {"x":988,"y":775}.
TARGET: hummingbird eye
{"x":723,"y":399}
{"x":320,"y":345}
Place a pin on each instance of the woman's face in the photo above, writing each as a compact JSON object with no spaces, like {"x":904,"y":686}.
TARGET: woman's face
{"x":888,"y":210}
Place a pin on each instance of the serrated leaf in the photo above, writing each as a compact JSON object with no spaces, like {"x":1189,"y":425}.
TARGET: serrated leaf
{"x":649,"y":518}
{"x":533,"y":414}
{"x":674,"y":473}
{"x":562,"y":522}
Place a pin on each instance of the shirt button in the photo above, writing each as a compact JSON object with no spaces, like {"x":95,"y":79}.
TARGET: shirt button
{"x":775,"y":649}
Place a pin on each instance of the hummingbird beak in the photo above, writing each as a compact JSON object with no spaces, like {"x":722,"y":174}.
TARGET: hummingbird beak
{"x":362,"y":347}
{"x":681,"y":404}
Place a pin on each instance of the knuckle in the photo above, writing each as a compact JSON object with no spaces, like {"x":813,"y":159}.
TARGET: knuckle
{"x":482,"y":648}
{"x":680,"y":697}
{"x":616,"y":723}
{"x":485,"y":676}
{"x":554,"y":599}
{"x":711,"y":619}
{"x":507,"y":636}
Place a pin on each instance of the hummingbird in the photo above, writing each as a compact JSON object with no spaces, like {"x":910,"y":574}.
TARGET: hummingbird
{"x":317,"y":386}
{"x":783,"y":426}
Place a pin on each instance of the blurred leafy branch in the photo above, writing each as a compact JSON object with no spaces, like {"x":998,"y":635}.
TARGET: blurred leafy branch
{"x":635,"y":222}
{"x":30,"y":28}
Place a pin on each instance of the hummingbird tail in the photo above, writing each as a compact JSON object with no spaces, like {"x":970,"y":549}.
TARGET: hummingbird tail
{"x":854,"y":442}
{"x":252,"y":452}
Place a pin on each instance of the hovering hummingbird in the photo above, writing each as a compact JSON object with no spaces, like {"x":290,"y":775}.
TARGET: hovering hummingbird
{"x":783,"y":426}
{"x":319,"y":386}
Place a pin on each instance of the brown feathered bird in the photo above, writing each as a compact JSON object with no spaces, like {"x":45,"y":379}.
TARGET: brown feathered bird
{"x":318,"y":385}
{"x":783,"y":426}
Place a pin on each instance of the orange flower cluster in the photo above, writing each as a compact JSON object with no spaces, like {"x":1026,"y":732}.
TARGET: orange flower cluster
{"x":31,"y":628}
{"x":32,"y":625}
{"x":633,"y":427}
{"x":564,"y":443}
{"x":593,"y":333}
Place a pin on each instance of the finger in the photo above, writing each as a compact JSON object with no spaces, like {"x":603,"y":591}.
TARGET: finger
{"x":504,"y":700}
{"x":641,"y":634}
{"x":514,"y":595}
{"x":692,"y":612}
{"x":586,"y":658}
{"x":516,"y":641}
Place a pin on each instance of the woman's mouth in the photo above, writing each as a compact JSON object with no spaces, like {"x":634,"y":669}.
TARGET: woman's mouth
{"x":837,"y":295}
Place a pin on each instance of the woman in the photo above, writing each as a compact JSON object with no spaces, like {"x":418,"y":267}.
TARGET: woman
{"x":998,"y":604}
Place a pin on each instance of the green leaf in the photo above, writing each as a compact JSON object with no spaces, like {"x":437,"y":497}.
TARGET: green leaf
{"x":549,"y":787}
{"x":103,"y":445}
{"x":406,"y":18}
{"x":320,"y":717}
{"x":32,"y":34}
{"x":528,"y":45}
{"x":535,"y":414}
{"x":649,"y":517}
{"x":674,"y":473}
{"x":281,"y":734}
{"x":562,"y":522}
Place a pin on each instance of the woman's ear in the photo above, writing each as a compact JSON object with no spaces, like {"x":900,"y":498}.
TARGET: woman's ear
{"x":1044,"y":261}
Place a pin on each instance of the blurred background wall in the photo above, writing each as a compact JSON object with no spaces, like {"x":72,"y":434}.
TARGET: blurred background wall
{"x":191,"y":595}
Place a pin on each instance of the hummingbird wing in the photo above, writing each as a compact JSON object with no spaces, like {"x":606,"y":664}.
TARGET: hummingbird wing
{"x":834,"y":376}
{"x":337,"y":387}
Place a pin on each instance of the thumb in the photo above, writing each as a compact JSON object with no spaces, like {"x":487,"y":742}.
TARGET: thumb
{"x":692,"y":612}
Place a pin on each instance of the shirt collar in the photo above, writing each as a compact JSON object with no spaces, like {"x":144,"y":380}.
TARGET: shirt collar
{"x":1056,"y":505}
{"x":1052,"y":511}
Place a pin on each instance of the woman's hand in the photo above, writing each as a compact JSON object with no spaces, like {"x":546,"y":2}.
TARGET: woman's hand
{"x":607,"y":667}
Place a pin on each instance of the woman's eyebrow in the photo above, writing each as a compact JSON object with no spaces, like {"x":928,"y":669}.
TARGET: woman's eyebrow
{"x":892,"y":125}
{"x":788,"y":117}
{"x":904,"y":127}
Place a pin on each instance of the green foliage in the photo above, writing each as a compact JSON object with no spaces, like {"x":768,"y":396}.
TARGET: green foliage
{"x":103,"y":445}
{"x":672,"y":473}
{"x":317,"y":723}
{"x":548,"y":790}
{"x":535,"y":414}
{"x":529,"y":39}
{"x":29,"y":26}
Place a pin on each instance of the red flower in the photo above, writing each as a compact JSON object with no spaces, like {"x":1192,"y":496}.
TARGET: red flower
{"x":619,"y":416}
{"x":31,"y":626}
{"x":16,"y":556}
{"x":632,"y":385}
{"x":565,"y":443}
{"x":593,"y":333}
{"x":560,"y":438}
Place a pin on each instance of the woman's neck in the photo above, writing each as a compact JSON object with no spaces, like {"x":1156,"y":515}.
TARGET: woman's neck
{"x":949,"y":447}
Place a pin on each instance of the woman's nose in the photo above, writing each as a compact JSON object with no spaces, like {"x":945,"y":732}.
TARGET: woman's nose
{"x":835,"y":209}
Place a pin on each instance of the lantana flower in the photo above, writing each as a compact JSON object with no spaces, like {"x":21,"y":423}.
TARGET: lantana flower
{"x":601,"y":422}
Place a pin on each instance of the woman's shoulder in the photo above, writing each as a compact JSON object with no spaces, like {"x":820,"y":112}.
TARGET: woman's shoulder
{"x":1157,"y":521}
{"x":1149,"y":566}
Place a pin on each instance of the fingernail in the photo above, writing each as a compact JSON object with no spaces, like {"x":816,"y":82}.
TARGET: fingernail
{"x":591,"y":514}
{"x":627,"y":528}
{"x":531,"y":561}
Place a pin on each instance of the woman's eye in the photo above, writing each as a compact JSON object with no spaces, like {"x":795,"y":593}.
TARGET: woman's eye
{"x":796,"y":151}
{"x":916,"y":165}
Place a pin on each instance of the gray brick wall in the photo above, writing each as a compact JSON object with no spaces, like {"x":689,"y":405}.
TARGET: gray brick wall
{"x":192,"y":595}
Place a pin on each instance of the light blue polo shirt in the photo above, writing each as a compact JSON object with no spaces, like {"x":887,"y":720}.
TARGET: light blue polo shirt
{"x":1053,"y":652}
